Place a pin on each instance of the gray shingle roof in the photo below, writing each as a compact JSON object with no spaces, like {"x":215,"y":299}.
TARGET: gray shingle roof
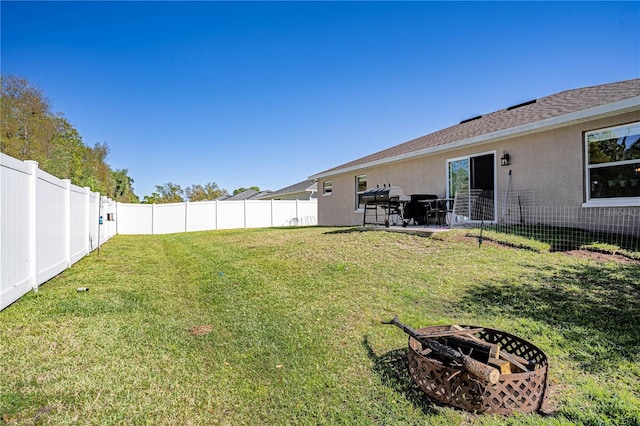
{"x":295,"y":188}
{"x":244,"y":195}
{"x":549,"y":107}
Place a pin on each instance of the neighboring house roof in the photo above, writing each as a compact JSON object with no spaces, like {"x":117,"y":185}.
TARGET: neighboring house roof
{"x":249,"y":194}
{"x":308,"y":185}
{"x":549,"y":112}
{"x":261,"y":194}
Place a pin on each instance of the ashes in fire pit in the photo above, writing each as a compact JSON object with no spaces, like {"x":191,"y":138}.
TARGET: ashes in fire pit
{"x":477,"y":369}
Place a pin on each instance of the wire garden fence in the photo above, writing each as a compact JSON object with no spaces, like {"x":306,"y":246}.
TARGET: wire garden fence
{"x":560,"y":228}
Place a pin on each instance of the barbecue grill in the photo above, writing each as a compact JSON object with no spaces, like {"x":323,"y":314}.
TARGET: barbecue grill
{"x":390,"y":199}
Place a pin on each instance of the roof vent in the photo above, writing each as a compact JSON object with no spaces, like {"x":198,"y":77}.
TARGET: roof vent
{"x":522,"y":104}
{"x":477,"y":117}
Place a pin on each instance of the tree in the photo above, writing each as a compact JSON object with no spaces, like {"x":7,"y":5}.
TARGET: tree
{"x":123,"y":187}
{"x":239,"y":190}
{"x":30,"y":131}
{"x":65,"y":152}
{"x":167,"y":193}
{"x":26,"y":120}
{"x":210,"y":191}
{"x":154,"y":198}
{"x":99,"y":168}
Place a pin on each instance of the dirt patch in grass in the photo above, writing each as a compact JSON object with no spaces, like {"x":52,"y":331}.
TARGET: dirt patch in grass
{"x":602,"y":257}
{"x":200,"y":330}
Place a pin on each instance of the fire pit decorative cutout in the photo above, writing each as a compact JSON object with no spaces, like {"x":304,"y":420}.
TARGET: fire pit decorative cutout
{"x":477,"y":369}
{"x":521,"y":386}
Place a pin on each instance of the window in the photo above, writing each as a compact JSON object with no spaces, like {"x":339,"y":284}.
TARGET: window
{"x":361,"y":187}
{"x":327,"y":187}
{"x":613,"y":164}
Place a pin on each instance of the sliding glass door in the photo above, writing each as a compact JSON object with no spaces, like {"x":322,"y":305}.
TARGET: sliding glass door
{"x":471,"y":180}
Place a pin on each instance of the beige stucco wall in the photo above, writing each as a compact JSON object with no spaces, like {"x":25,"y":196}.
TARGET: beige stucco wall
{"x":550,"y":163}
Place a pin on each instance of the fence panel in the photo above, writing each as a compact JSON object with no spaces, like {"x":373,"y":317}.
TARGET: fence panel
{"x":201,"y":216}
{"x":109,"y":226}
{"x":79,"y":199}
{"x":169,"y":218}
{"x":94,"y":205}
{"x":258,"y":214}
{"x":230,"y":215}
{"x":15,"y":256}
{"x":51,"y":226}
{"x":307,"y":212}
{"x":286,"y":214}
{"x":134,"y":218}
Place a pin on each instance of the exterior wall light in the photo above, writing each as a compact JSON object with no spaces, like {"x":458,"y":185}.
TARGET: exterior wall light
{"x":504,"y":160}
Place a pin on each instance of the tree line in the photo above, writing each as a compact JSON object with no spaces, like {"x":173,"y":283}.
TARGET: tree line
{"x":173,"y":193}
{"x":29,"y":130}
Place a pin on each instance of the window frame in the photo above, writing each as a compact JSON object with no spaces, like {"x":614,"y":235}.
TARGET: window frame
{"x":470,"y":159}
{"x":619,"y":201}
{"x":359,"y":193}
{"x":327,"y":188}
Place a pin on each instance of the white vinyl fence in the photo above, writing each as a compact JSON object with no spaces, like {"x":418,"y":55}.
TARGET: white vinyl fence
{"x":211,"y":215}
{"x":46,"y":225}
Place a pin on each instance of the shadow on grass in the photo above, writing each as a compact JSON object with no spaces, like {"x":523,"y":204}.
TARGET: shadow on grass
{"x":349,"y":230}
{"x":392,"y":368}
{"x":592,"y":311}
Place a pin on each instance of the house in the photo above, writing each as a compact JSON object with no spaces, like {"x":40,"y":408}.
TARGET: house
{"x":579,"y":147}
{"x":305,"y":190}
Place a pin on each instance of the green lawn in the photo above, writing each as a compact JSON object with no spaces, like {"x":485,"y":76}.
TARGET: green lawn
{"x":282,"y":326}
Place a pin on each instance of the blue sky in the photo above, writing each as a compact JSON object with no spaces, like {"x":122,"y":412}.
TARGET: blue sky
{"x":269,"y":93}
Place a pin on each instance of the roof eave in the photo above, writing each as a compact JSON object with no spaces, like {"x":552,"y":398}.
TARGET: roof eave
{"x":598,"y":112}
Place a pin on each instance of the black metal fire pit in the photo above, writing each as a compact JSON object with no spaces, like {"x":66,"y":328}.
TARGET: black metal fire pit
{"x":524,"y":389}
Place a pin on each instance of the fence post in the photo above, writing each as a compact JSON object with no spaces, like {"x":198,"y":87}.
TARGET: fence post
{"x":117,"y":216}
{"x":298,"y":210}
{"x":95,"y":213}
{"x":186,"y":216}
{"x":215,"y":225}
{"x":87,"y":220}
{"x":271,"y":212}
{"x":67,"y":221}
{"x":153,"y":217}
{"x":245,"y":214}
{"x":99,"y":214}
{"x":33,"y":180}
